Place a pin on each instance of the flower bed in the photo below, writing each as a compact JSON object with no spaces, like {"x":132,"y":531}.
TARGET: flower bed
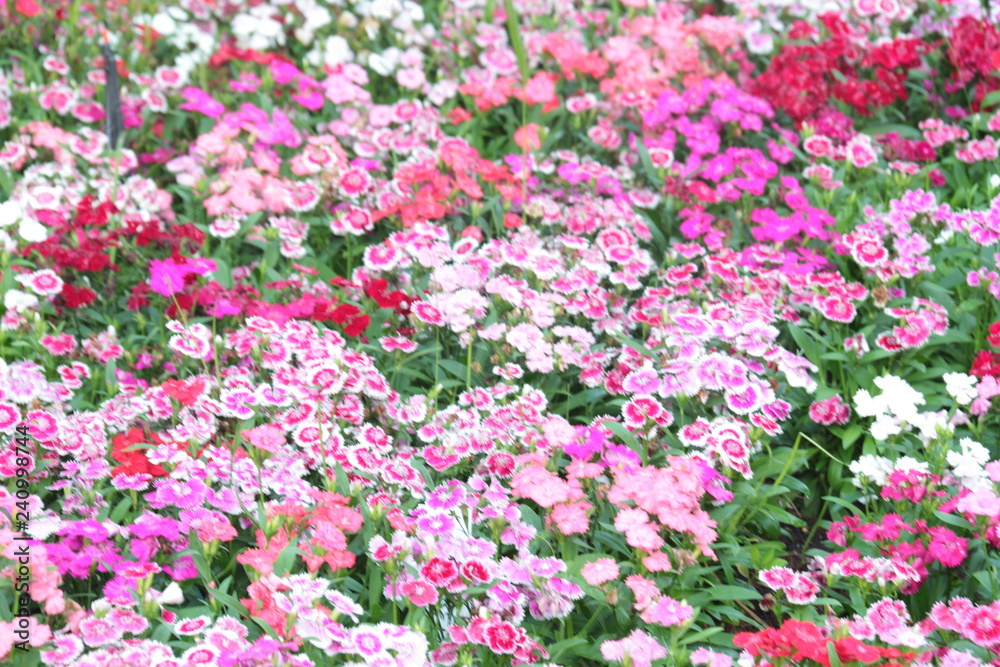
{"x":500,"y":333}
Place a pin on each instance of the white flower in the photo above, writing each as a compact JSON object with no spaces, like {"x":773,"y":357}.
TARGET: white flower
{"x":17,"y":300}
{"x":961,"y":387}
{"x":304,"y":35}
{"x":968,"y":465}
{"x":760,"y":43}
{"x":172,"y":594}
{"x":10,"y":212}
{"x":314,"y":15}
{"x":258,"y":29}
{"x":866,"y":405}
{"x":43,"y":527}
{"x":337,"y":51}
{"x":885,"y":426}
{"x":876,"y":469}
{"x":910,"y":637}
{"x":930,"y":423}
{"x":384,"y":63}
{"x":7,"y":244}
{"x":901,"y":398}
{"x":165,"y":21}
{"x":910,"y":463}
{"x":31,"y":230}
{"x":897,"y":399}
{"x":384,"y":10}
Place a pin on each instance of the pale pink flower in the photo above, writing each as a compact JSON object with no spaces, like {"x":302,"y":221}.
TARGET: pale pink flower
{"x":600,"y":571}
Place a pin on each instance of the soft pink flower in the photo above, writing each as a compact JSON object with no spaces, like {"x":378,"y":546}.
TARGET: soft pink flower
{"x":600,"y":571}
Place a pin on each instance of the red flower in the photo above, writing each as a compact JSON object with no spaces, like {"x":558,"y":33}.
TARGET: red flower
{"x":439,"y":571}
{"x":458,"y":115}
{"x":138,"y":298}
{"x":503,"y":638}
{"x":134,"y":462}
{"x":850,"y":649}
{"x":189,"y":231}
{"x":324,"y":309}
{"x":357,"y":326}
{"x":993,"y":337}
{"x":794,"y":639}
{"x":184,"y":392}
{"x":475,"y":571}
{"x":344,"y":312}
{"x":986,"y":364}
{"x":29,"y":8}
{"x":77,"y":297}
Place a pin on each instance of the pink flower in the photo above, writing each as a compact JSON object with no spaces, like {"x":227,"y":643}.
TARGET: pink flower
{"x":527,"y":138}
{"x":538,"y":484}
{"x":59,"y":345}
{"x":818,"y":145}
{"x":642,"y":648}
{"x":43,"y":283}
{"x":390,"y":343}
{"x":571,"y":518}
{"x":166,"y":277}
{"x":268,"y":437}
{"x":830,"y":411}
{"x":600,"y":571}
{"x":838,"y":309}
{"x":645,"y":591}
{"x":860,"y":152}
{"x":200,"y":101}
{"x":419,"y":592}
{"x":946,"y":547}
{"x":192,"y":626}
{"x":802,"y":591}
{"x":667,"y":612}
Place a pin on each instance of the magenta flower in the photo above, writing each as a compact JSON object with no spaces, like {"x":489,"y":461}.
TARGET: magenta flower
{"x":200,"y":101}
{"x":166,"y":278}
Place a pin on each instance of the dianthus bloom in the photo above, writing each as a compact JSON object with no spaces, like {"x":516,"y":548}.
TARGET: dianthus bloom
{"x":642,"y":648}
{"x":540,"y":485}
{"x":600,"y":571}
{"x":830,"y":411}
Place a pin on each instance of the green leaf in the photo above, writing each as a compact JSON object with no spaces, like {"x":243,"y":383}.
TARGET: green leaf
{"x":561,"y":647}
{"x":991,"y":99}
{"x":808,"y":346}
{"x":699,"y":636}
{"x":234,"y":604}
{"x":121,"y":509}
{"x":724,"y":593}
{"x":286,"y":559}
{"x":633,"y":343}
{"x":516,"y":42}
{"x":647,"y":164}
{"x":843,"y":503}
{"x":831,"y":653}
{"x":953,"y":520}
{"x":850,"y":435}
{"x":455,"y":368}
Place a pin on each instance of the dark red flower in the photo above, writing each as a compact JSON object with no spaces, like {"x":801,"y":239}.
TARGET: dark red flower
{"x":77,"y":297}
{"x":357,"y":325}
{"x":138,"y":298}
{"x":344,"y":313}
